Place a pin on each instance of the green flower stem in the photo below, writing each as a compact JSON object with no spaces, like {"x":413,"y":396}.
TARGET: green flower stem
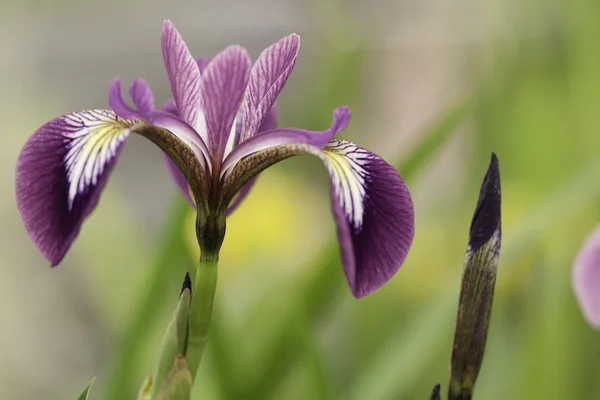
{"x":203,"y":295}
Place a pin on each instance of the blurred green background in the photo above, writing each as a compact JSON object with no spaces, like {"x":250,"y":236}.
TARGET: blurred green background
{"x":464,"y":77}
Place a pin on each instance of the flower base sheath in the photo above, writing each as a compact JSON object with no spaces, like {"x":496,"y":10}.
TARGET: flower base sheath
{"x":219,"y":132}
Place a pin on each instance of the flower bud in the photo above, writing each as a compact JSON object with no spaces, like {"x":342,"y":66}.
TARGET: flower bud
{"x":476,"y":296}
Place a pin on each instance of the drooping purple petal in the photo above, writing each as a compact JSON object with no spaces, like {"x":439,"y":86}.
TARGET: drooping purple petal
{"x":61,"y":172}
{"x":223,"y":84}
{"x":118,"y":103}
{"x":586,"y":278}
{"x":371,"y":205}
{"x":374,"y":215}
{"x":269,"y":75}
{"x":142,"y":96}
{"x":183,"y":72}
{"x":288,"y":136}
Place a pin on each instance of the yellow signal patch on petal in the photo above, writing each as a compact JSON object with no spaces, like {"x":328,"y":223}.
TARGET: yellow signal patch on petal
{"x":94,"y":137}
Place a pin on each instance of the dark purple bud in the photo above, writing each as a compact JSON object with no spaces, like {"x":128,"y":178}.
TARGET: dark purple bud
{"x":486,"y":219}
{"x":476,"y":296}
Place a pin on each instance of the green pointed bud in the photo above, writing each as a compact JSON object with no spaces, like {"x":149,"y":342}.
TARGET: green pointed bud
{"x":85,"y":394}
{"x":435,"y":393}
{"x":477,"y":293}
{"x":145,"y":389}
{"x":178,"y":383}
{"x":175,"y":340}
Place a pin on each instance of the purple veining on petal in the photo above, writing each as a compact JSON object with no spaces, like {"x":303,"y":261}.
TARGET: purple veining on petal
{"x":283,"y":136}
{"x":223,"y":84}
{"x":183,"y":73}
{"x":51,"y":217}
{"x":586,"y":278}
{"x":268,"y":77}
{"x":375,"y":227}
{"x":118,"y":103}
{"x":142,"y":96}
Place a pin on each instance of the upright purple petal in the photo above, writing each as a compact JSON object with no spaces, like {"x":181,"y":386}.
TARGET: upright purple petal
{"x":118,"y":103}
{"x":269,"y":75}
{"x":61,"y":172}
{"x":586,"y":278}
{"x":223,"y":84}
{"x":169,"y":105}
{"x":183,"y":72}
{"x":142,"y":96}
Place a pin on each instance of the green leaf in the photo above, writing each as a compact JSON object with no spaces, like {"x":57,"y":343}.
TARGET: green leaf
{"x":85,"y":394}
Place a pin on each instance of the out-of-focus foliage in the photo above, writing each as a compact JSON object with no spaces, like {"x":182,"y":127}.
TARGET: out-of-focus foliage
{"x":285,"y":326}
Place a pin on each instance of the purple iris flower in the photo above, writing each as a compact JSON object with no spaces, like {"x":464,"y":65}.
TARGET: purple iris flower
{"x":219,"y":134}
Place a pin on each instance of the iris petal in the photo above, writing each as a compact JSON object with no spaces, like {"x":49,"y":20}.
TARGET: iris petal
{"x":223,"y":84}
{"x":269,"y":75}
{"x":118,"y":103}
{"x":374,"y":215}
{"x":61,"y":172}
{"x":183,"y":72}
{"x":142,"y":96}
{"x":371,"y":204}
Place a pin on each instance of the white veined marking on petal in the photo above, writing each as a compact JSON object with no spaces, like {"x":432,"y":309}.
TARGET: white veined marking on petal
{"x":94,"y":136}
{"x":347,"y":163}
